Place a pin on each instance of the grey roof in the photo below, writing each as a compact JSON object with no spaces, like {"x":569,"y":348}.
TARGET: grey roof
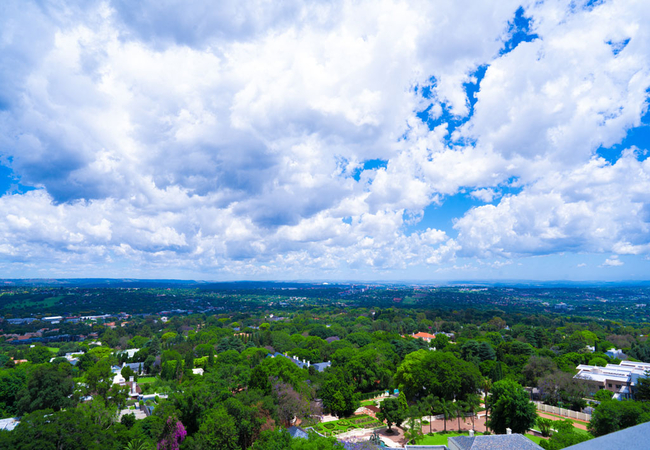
{"x":492,"y":442}
{"x":136,"y":367}
{"x":633,"y":437}
{"x":297,"y":432}
{"x":322,"y":366}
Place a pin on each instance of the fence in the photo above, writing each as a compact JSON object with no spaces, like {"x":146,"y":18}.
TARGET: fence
{"x":563,"y":412}
{"x":369,"y":395}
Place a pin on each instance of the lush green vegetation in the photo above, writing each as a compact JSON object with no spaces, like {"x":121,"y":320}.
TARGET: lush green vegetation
{"x":489,"y":341}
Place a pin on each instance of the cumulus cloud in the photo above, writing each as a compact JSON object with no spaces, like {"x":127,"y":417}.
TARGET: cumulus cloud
{"x":233,"y":138}
{"x":612,"y":262}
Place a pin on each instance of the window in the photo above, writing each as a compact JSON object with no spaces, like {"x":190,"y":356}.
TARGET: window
{"x":609,"y":385}
{"x":618,"y":386}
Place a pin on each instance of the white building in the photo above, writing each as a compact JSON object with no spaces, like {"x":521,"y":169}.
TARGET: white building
{"x":620,"y":379}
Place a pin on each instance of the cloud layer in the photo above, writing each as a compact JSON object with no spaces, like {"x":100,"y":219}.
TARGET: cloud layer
{"x":236,"y":140}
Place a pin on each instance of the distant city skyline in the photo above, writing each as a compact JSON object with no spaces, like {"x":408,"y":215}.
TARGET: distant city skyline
{"x":368,"y":141}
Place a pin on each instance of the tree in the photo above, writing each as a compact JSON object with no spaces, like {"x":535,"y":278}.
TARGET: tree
{"x":414,"y":430}
{"x":643,"y":388}
{"x":445,"y":408}
{"x":128,"y":420}
{"x":439,"y":373}
{"x":564,"y":436}
{"x":510,"y":408}
{"x":603,"y":395}
{"x":290,"y":403}
{"x":338,"y":396}
{"x":99,"y":378}
{"x":391,"y":411}
{"x":47,"y":387}
{"x":472,"y":403}
{"x":218,"y":430}
{"x":278,"y":439}
{"x":613,"y":416}
{"x":172,"y":435}
{"x":457,"y":410}
{"x":544,"y":426}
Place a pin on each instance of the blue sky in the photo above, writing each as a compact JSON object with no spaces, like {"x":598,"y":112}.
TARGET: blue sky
{"x":341,"y":140}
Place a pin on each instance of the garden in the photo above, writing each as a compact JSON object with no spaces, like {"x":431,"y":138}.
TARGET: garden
{"x":362,"y":421}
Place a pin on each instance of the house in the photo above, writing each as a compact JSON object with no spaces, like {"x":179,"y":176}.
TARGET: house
{"x":616,"y":353}
{"x":424,"y":336}
{"x":198,"y":371}
{"x":297,"y":433}
{"x":302,"y":363}
{"x":129,"y":352}
{"x":494,"y":441}
{"x":621,"y":379}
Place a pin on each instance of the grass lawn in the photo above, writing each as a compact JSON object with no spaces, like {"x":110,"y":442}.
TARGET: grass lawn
{"x":583,"y":432}
{"x":368,"y":403}
{"x":535,"y":439}
{"x":146,"y":379}
{"x":53,"y":349}
{"x":439,"y":438}
{"x":562,"y":417}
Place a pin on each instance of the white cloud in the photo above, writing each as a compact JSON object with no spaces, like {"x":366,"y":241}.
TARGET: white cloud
{"x":228,"y":139}
{"x":612,"y":262}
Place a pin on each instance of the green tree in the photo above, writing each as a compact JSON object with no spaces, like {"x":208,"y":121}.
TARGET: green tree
{"x":338,"y":395}
{"x":564,"y":436}
{"x":445,"y":408}
{"x":391,"y":412}
{"x":643,"y":388}
{"x":510,"y":408}
{"x":442,"y":374}
{"x":218,"y":430}
{"x":47,"y":387}
{"x":278,"y":439}
{"x":613,"y":416}
{"x":99,"y":378}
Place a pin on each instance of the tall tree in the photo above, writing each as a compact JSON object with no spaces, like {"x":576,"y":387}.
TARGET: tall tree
{"x":391,"y":411}
{"x":510,"y":408}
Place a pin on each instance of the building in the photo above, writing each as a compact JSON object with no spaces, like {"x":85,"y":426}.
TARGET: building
{"x":621,"y":379}
{"x":616,"y":353}
{"x":494,"y":441}
{"x":52,"y":319}
{"x":302,"y":363}
{"x":425,"y":336}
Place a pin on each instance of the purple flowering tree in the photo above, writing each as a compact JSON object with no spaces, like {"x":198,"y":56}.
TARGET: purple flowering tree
{"x":172,"y":435}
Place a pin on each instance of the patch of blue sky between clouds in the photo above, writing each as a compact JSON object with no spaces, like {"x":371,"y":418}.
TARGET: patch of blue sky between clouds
{"x":441,"y":216}
{"x":519,"y":30}
{"x":638,"y":137}
{"x":370,"y":164}
{"x":445,"y":115}
{"x":9,"y":183}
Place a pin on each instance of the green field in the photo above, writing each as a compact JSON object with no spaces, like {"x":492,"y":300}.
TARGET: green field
{"x":146,"y":379}
{"x":535,"y":439}
{"x":439,"y":438}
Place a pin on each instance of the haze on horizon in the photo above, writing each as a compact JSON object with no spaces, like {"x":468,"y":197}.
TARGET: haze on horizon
{"x":370,"y":140}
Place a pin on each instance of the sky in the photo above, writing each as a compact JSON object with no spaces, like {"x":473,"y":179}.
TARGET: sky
{"x":341,"y":140}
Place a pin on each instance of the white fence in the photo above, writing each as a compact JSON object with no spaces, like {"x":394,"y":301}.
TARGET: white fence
{"x":563,"y":412}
